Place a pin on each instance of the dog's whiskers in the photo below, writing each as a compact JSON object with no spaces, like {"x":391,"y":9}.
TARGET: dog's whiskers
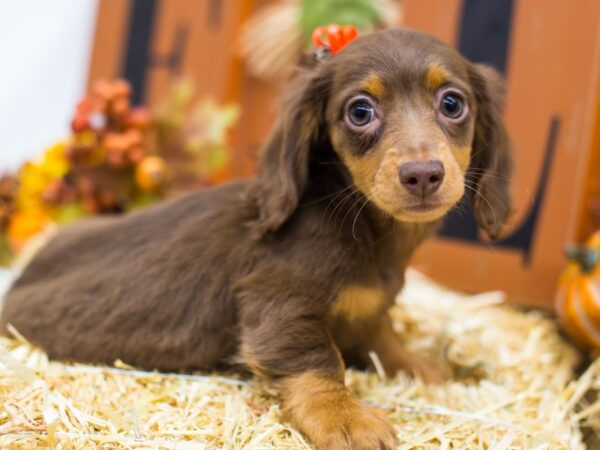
{"x":340,"y":204}
{"x":495,"y":195}
{"x":351,"y":208}
{"x":487,"y":173}
{"x":485,"y":200}
{"x":367,"y":200}
{"x":325,"y":197}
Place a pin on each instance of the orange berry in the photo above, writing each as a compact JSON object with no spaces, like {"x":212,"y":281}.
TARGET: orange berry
{"x":138,"y":118}
{"x":107,"y":200}
{"x":114,"y":142}
{"x":90,"y":205}
{"x":102,"y":88}
{"x":133,"y":138}
{"x":120,"y":106}
{"x":116,"y":158}
{"x":80,"y":123}
{"x":84,"y":106}
{"x":151,"y":174}
{"x":85,"y":185}
{"x":121,"y":88}
{"x":136,"y":154}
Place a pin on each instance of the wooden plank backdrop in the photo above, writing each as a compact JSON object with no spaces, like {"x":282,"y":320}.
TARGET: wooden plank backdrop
{"x":548,"y":51}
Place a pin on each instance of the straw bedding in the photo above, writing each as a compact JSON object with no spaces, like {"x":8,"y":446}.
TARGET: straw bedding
{"x":514,"y":388}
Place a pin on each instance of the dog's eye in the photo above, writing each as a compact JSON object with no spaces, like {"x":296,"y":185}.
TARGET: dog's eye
{"x":361,"y":113}
{"x":452,"y":106}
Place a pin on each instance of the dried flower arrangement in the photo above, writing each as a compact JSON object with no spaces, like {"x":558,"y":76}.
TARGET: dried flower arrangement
{"x":117,"y":158}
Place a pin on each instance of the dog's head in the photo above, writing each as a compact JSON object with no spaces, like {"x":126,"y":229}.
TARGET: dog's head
{"x":413,"y":122}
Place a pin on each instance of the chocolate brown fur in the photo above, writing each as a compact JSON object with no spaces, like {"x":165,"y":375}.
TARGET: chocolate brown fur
{"x":272,"y":272}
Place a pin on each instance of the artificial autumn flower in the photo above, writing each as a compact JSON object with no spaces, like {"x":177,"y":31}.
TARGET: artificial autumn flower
{"x":36,"y":176}
{"x":117,"y":158}
{"x":26,"y":224}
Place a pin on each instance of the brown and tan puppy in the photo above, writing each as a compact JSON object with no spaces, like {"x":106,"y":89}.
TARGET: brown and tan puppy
{"x":292,"y":272}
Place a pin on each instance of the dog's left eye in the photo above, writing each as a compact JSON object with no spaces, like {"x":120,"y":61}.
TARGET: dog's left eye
{"x":451,"y":106}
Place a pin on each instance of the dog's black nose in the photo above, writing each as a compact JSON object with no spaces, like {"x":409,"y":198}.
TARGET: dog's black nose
{"x":422,"y":178}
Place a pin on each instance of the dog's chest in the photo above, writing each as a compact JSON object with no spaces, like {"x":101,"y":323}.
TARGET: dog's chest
{"x":357,"y":303}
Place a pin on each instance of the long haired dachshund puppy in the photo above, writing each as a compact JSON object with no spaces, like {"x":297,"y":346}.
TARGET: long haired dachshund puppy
{"x":292,"y":272}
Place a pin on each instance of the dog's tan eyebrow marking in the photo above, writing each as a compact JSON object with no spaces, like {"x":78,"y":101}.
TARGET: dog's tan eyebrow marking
{"x":436,"y":76}
{"x":373,"y":84}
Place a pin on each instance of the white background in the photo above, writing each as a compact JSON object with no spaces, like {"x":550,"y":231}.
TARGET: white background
{"x":44,"y":54}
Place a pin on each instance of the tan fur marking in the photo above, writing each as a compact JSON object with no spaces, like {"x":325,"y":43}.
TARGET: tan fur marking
{"x":373,"y":84}
{"x":436,"y":77}
{"x":331,"y":416}
{"x":363,"y":168}
{"x":356,"y":303}
{"x":462,"y":156}
{"x":248,"y":358}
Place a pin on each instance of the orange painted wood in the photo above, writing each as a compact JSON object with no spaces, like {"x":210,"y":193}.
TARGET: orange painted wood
{"x":553,"y":68}
{"x":110,"y":34}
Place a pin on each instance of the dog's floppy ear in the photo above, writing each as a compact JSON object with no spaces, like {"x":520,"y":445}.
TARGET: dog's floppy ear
{"x":284,"y":165}
{"x":490,"y":162}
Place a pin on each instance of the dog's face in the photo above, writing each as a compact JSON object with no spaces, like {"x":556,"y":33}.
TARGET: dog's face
{"x":414,"y":123}
{"x":401,"y":116}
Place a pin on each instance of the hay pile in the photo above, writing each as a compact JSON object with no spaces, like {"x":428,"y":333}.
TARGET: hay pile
{"x":514,"y":389}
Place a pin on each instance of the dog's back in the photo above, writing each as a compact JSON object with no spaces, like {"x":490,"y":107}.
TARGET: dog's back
{"x":143,"y":285}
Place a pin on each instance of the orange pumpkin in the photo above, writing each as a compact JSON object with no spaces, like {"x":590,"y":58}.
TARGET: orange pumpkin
{"x":577,"y":302}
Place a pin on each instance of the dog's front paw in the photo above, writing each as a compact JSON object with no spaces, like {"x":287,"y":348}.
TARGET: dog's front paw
{"x":333,"y":418}
{"x":428,"y":369}
{"x":359,"y":427}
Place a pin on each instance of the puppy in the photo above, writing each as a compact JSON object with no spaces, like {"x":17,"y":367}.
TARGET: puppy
{"x":292,"y":272}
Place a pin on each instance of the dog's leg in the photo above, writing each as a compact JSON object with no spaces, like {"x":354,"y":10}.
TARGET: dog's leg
{"x":394,"y":356}
{"x":322,"y":407}
{"x":294,"y":350}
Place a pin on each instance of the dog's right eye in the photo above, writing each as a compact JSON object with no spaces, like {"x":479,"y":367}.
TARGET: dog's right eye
{"x":360,"y":113}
